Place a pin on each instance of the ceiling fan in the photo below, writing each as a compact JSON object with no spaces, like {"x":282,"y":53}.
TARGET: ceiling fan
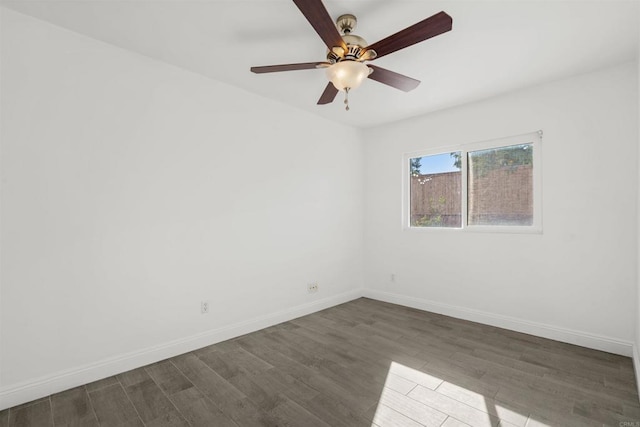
{"x":345,"y":64}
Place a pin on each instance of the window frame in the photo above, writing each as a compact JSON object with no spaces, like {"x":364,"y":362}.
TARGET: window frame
{"x":534,"y":138}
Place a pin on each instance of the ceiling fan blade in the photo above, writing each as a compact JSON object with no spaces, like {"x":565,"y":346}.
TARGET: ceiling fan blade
{"x":287,"y":67}
{"x":423,"y":30}
{"x":328,"y":95}
{"x":393,"y":79}
{"x":319,"y":18}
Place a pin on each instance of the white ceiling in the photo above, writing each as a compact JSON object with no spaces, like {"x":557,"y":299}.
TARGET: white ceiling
{"x":494,"y":47}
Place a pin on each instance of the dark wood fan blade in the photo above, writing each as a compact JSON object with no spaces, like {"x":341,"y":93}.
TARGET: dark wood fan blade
{"x":319,"y":18}
{"x":328,"y":95}
{"x":286,"y":67}
{"x":423,"y":30}
{"x":393,"y":79}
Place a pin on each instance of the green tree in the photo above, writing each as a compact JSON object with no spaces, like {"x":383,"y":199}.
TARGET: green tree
{"x":415,"y":165}
{"x":483,"y":161}
{"x":457,"y":159}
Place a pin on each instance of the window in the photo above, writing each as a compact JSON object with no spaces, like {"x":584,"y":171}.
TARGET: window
{"x":488,"y":186}
{"x":500,"y":186}
{"x":436,"y":190}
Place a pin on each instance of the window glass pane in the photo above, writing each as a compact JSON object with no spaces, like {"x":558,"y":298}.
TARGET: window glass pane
{"x":435,"y":190}
{"x":500,"y":186}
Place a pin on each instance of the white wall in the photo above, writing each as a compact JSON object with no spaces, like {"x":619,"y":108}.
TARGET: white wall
{"x":576,"y":281}
{"x":132,"y":190}
{"x":636,"y":347}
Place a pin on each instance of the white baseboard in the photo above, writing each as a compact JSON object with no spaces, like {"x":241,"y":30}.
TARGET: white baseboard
{"x":64,"y":380}
{"x":636,"y":366}
{"x":584,"y":339}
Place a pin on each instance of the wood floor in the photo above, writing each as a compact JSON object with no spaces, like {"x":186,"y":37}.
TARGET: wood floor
{"x":364,"y":363}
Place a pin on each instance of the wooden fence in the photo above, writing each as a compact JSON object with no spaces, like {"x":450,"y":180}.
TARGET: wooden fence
{"x":501,"y":196}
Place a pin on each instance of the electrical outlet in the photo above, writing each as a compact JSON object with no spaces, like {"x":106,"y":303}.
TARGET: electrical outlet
{"x":393,"y":277}
{"x":312,"y":287}
{"x":204,"y":307}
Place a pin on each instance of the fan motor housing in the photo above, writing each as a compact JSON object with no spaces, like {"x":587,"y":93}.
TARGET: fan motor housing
{"x":355,"y":44}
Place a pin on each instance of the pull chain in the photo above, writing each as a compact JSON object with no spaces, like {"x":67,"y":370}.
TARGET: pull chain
{"x":346,"y":98}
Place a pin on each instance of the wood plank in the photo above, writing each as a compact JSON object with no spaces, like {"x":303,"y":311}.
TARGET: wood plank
{"x":133,"y":377}
{"x":97,"y":385}
{"x":73,"y":408}
{"x":149,"y":401}
{"x":289,"y":410}
{"x":333,"y":410}
{"x":484,"y":402}
{"x":387,"y":417}
{"x":170,"y":419}
{"x":460,"y":411}
{"x":168,"y":377}
{"x":232,"y":402}
{"x":38,"y":414}
{"x":417,"y":411}
{"x":452,"y":422}
{"x":112,"y":406}
{"x":198,"y":410}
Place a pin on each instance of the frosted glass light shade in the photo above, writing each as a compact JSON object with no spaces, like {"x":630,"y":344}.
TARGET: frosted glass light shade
{"x":347,"y":74}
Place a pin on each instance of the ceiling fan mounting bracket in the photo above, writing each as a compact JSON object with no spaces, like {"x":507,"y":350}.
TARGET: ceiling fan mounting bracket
{"x":347,"y":23}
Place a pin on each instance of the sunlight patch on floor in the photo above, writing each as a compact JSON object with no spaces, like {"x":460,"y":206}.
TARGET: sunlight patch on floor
{"x":412,"y":397}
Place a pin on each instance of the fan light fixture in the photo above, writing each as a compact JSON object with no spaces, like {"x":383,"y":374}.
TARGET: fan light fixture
{"x":347,"y":75}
